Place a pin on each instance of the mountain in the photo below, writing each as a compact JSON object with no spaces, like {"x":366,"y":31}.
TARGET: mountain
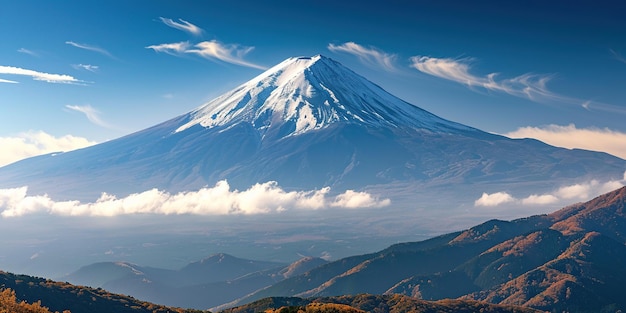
{"x":301,"y":266}
{"x":307,"y":122}
{"x":571,"y":260}
{"x":221,"y":266}
{"x":210,"y":282}
{"x":58,"y":297}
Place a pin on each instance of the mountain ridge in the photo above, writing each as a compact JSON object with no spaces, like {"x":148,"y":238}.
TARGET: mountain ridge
{"x":568,"y":260}
{"x":208,"y":282}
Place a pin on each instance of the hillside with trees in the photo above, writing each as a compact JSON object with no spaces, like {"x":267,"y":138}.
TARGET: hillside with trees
{"x":373,"y":304}
{"x":38,"y":295}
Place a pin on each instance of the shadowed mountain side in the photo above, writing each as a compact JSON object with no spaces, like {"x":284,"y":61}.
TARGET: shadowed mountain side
{"x":378,"y":272}
{"x":585,"y":278}
{"x":560,"y":261}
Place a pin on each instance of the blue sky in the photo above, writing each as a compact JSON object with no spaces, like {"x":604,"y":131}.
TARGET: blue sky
{"x":73,"y":73}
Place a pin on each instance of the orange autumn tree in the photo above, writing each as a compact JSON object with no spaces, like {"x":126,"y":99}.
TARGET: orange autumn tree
{"x":10,"y":304}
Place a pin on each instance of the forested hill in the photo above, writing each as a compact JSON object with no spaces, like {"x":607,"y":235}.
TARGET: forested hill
{"x":373,"y":304}
{"x":60,"y":297}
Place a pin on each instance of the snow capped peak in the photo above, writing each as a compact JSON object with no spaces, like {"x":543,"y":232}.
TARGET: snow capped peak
{"x":302,"y":94}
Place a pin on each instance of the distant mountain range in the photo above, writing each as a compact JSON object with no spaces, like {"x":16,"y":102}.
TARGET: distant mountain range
{"x":51,"y":296}
{"x":308,"y":122}
{"x":209,"y":282}
{"x":571,"y":260}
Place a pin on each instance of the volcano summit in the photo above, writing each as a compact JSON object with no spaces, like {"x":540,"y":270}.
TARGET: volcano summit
{"x":309,"y":122}
{"x":305,"y":94}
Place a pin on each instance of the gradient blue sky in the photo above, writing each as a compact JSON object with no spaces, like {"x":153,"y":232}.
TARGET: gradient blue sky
{"x":77,"y":72}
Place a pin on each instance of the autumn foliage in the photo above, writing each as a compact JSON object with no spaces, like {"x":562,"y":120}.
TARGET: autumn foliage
{"x":10,"y":304}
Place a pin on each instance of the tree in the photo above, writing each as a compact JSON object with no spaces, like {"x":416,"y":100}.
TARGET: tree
{"x":10,"y":304}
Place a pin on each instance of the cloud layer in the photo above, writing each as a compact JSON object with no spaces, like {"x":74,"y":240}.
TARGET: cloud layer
{"x":571,"y":137}
{"x":577,"y":192}
{"x":34,"y":143}
{"x":211,"y":50}
{"x":367,"y":55}
{"x":40,"y":76}
{"x":217,"y":200}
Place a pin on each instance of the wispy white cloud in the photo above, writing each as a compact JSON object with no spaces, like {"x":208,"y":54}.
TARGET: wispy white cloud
{"x":367,"y":55}
{"x":596,"y":139}
{"x":563,"y":195}
{"x":7,"y":81}
{"x":618,"y":56}
{"x":32,"y":143}
{"x":26,"y":51}
{"x":90,"y":48}
{"x":529,"y":86}
{"x":171,"y":48}
{"x":212,"y":50}
{"x":451,"y":69}
{"x":91,"y":113}
{"x":87,"y":67}
{"x":230,"y":53}
{"x":40,"y":76}
{"x":263,"y":198}
{"x":183,"y":25}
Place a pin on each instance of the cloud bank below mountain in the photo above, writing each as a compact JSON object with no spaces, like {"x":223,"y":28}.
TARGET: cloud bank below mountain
{"x":261,"y":198}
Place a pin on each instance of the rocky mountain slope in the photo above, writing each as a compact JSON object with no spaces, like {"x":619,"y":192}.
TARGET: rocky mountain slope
{"x":571,"y":260}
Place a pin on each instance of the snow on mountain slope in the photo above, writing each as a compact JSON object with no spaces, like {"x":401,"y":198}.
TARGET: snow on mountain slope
{"x":307,"y":93}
